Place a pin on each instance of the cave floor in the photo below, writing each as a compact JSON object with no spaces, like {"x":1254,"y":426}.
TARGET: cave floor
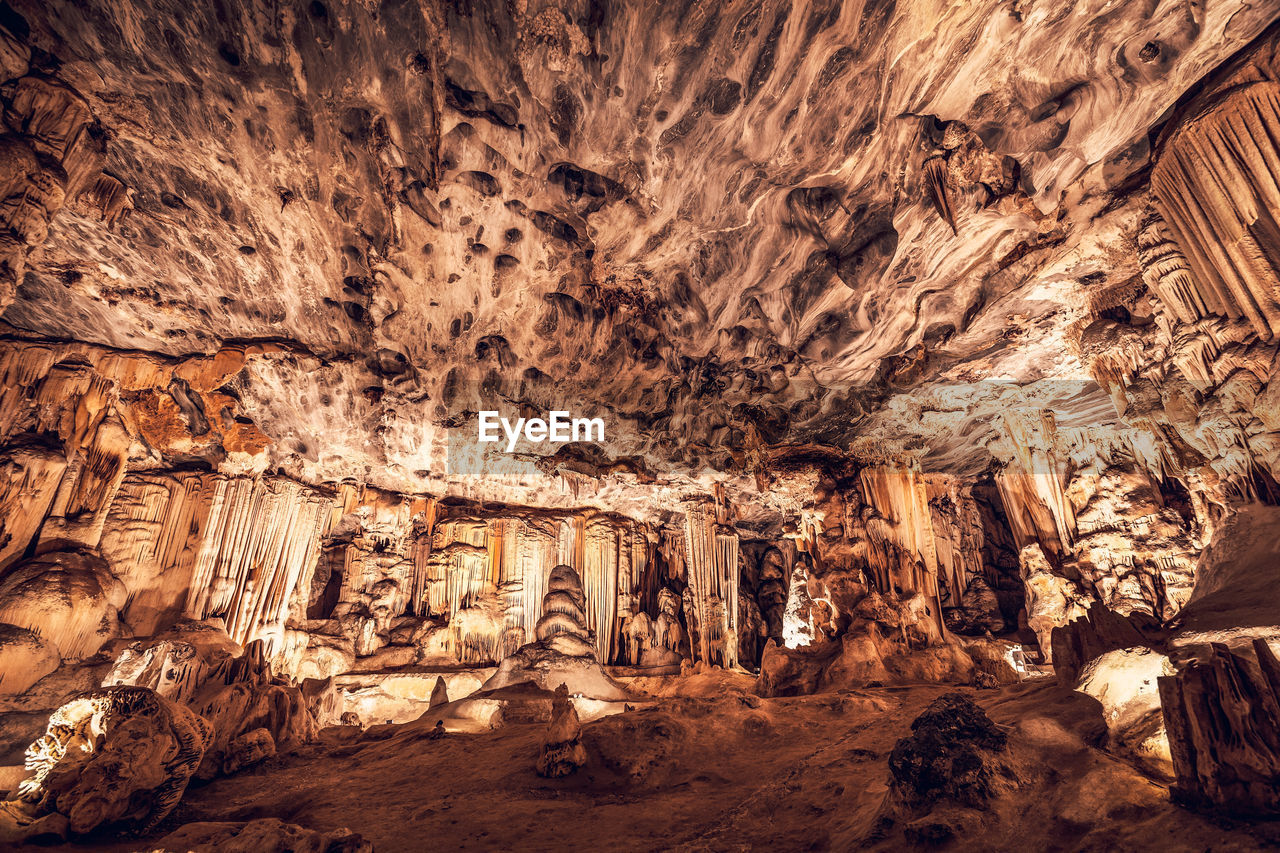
{"x":714,"y":768}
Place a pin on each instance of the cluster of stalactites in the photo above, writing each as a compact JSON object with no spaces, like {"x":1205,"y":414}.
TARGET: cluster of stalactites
{"x":1217,"y":186}
{"x":711,"y":557}
{"x":504,"y":565}
{"x":902,"y":518}
{"x":260,"y":542}
{"x":1167,"y":274}
{"x":1033,"y":487}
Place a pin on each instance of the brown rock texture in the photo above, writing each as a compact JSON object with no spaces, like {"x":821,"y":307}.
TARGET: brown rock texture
{"x":1223,"y":719}
{"x":932,"y":343}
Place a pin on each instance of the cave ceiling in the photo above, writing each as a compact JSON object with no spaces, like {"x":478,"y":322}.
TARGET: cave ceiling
{"x":741,"y":230}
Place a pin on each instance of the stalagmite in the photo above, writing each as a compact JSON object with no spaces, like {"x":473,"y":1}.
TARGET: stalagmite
{"x":564,"y":651}
{"x":253,"y":714}
{"x":562,"y":753}
{"x":439,"y":693}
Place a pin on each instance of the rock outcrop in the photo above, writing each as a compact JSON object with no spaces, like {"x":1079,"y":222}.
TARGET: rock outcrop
{"x":253,"y":714}
{"x":120,"y":756}
{"x":1223,"y":719}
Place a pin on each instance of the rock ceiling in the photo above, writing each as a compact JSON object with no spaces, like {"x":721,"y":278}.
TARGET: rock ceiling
{"x":936,"y":343}
{"x":735,"y":229}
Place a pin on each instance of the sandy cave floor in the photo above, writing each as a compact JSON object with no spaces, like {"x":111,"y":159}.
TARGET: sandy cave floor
{"x":721,"y":770}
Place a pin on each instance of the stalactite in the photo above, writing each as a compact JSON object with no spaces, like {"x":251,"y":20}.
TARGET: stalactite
{"x":509,"y":535}
{"x":538,"y":556}
{"x":460,"y":565}
{"x":1217,"y":184}
{"x":261,"y":541}
{"x":1167,"y":274}
{"x":79,"y":511}
{"x":109,"y":196}
{"x":712,"y":564}
{"x":1033,"y":490}
{"x":600,"y":581}
{"x":900,"y":495}
{"x":153,"y":533}
{"x":424,"y":530}
{"x":935,"y":176}
{"x":29,"y":478}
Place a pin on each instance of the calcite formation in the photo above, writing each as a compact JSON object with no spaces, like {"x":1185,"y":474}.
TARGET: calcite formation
{"x":562,"y":753}
{"x":252,"y":714}
{"x":1222,"y":715}
{"x":930,"y":344}
{"x":120,"y":754}
{"x":562,"y":652}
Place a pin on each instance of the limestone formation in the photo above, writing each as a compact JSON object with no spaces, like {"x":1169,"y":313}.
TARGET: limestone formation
{"x":439,"y":693}
{"x":1223,"y":718}
{"x":915,"y":344}
{"x":25,"y":658}
{"x":563,"y":653}
{"x":1093,"y":634}
{"x":254,"y":715}
{"x":562,"y":753}
{"x":1215,"y":187}
{"x":70,"y":597}
{"x":116,"y":756}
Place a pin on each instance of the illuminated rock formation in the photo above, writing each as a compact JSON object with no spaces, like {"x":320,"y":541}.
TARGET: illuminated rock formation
{"x":562,"y":753}
{"x":70,"y":597}
{"x":564,"y":651}
{"x":712,"y":561}
{"x":120,"y":755}
{"x":1215,"y":185}
{"x":932,"y":343}
{"x":253,"y":714}
{"x":1166,"y":272}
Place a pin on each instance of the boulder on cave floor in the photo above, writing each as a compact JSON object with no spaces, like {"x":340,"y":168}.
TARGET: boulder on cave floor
{"x":951,"y":754}
{"x":118,"y":757}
